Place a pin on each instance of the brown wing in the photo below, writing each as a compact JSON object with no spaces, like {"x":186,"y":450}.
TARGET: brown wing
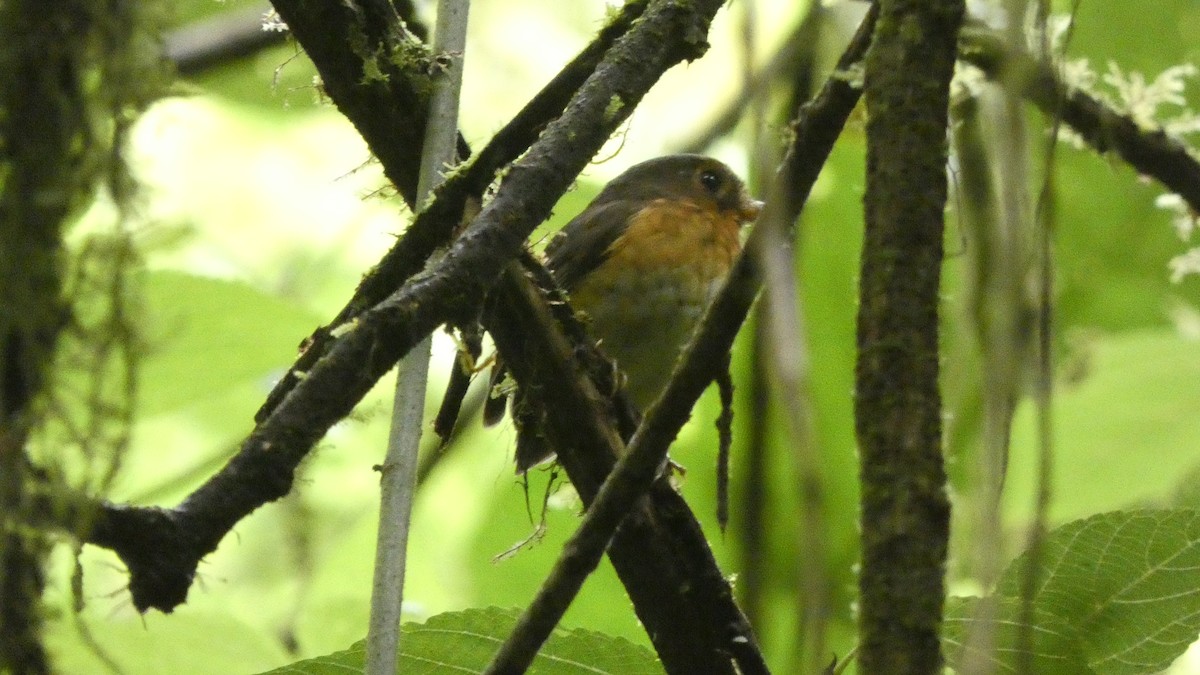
{"x":585,"y":241}
{"x":578,"y":248}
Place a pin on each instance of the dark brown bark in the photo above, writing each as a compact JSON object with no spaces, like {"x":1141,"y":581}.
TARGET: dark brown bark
{"x":905,"y":511}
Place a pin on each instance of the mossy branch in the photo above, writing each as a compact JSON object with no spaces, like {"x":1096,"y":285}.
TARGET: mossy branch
{"x":898,"y":412}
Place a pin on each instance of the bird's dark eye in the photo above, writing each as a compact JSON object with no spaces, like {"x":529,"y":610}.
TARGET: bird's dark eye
{"x":710,"y":180}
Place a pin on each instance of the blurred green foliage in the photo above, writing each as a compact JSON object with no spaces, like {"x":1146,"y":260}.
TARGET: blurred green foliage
{"x":266,"y":211}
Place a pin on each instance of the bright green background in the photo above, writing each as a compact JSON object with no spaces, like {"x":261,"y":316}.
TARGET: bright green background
{"x":262,"y":216}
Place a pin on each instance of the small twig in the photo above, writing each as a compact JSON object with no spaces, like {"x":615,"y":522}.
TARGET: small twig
{"x":228,"y":36}
{"x":1000,"y":238}
{"x":1044,"y":390}
{"x":724,"y":443}
{"x":461,"y":372}
{"x":661,"y":554}
{"x":792,"y":57}
{"x":785,"y":335}
{"x":983,"y":296}
{"x":756,"y":484}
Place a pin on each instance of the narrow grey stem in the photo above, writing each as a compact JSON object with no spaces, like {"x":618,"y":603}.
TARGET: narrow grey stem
{"x":398,"y":476}
{"x":1005,"y":346}
{"x":397,"y":490}
{"x":787,"y":343}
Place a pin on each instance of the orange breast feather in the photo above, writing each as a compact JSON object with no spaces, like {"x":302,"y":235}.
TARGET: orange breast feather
{"x":644,"y":300}
{"x":669,"y":234}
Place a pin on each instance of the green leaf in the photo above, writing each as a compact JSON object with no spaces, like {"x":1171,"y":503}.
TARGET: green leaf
{"x":464,"y":642}
{"x":1136,"y":401}
{"x":1056,"y":647}
{"x":208,"y":335}
{"x":1129,"y":582}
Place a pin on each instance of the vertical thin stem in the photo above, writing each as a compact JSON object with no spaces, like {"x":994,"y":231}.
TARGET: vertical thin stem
{"x":787,"y":339}
{"x":1044,"y":393}
{"x":1003,"y":308}
{"x":398,"y":475}
{"x":755,"y":485}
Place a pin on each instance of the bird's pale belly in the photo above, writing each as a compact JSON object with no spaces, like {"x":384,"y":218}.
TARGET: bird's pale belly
{"x":644,"y":321}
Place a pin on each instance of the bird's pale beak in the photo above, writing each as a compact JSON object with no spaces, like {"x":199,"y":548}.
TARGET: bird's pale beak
{"x":751,"y":208}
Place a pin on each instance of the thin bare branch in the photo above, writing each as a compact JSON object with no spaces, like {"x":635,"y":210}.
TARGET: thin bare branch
{"x":398,"y":472}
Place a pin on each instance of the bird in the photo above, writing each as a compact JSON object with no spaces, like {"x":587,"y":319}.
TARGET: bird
{"x":641,"y":263}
